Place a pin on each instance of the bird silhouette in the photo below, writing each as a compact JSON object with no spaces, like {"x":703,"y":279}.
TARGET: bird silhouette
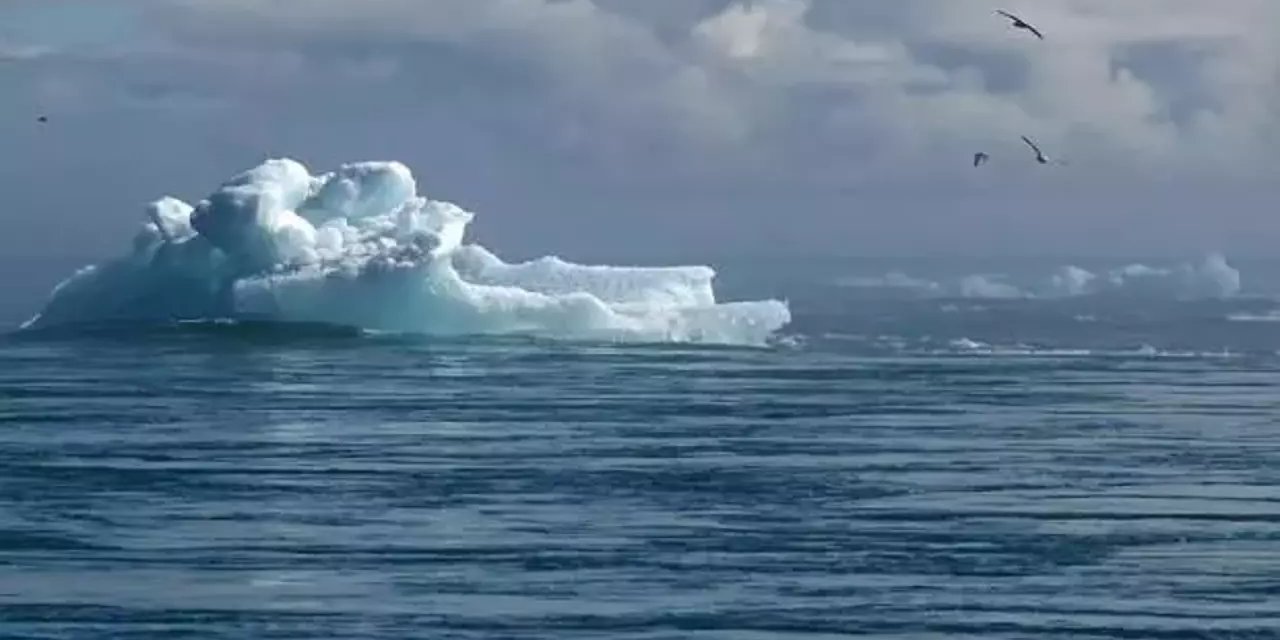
{"x":1040,"y":157}
{"x":42,"y":119}
{"x":1020,"y":23}
{"x":980,"y":158}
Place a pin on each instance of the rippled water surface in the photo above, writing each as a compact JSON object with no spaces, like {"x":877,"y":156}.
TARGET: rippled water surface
{"x":238,"y":482}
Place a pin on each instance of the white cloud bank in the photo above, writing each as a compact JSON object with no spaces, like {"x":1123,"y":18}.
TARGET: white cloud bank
{"x":1154,"y":84}
{"x":773,"y":115}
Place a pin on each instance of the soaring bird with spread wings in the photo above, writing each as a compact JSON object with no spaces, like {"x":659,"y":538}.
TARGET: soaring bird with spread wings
{"x":1020,"y":23}
{"x":1040,"y":157}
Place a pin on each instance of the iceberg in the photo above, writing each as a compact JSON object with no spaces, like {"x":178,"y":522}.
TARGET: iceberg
{"x":359,"y":247}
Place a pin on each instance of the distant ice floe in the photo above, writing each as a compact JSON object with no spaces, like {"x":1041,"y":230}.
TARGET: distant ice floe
{"x":1268,"y":316}
{"x":891,"y":280}
{"x":359,"y":247}
{"x":1211,"y":278}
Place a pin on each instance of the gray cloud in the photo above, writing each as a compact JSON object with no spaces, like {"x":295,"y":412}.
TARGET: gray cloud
{"x":664,"y":118}
{"x":1147,"y":84}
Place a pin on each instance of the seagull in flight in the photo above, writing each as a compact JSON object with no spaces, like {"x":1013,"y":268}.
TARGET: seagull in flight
{"x":979,"y":158}
{"x":1040,"y":157}
{"x":1020,"y":23}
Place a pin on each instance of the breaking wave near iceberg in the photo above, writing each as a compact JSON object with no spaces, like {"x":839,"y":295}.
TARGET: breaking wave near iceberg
{"x":359,"y":247}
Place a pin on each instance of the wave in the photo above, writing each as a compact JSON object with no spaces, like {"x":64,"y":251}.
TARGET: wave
{"x":359,"y":247}
{"x":1210,"y":278}
{"x":244,"y":329}
{"x":899,"y":345}
{"x":966,"y":346}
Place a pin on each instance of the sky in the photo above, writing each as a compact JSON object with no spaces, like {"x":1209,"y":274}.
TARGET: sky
{"x":676,"y":129}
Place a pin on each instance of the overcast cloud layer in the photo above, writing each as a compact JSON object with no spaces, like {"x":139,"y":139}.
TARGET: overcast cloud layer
{"x":668,"y":127}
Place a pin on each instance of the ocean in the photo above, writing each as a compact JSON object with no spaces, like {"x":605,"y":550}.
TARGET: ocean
{"x":925,"y":451}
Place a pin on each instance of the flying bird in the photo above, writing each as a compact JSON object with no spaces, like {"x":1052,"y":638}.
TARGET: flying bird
{"x":1019,"y":23}
{"x":42,"y":119}
{"x":980,"y":158}
{"x":1040,"y":157}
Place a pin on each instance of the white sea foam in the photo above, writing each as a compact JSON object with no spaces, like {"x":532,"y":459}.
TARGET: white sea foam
{"x":970,"y":347}
{"x":359,"y":247}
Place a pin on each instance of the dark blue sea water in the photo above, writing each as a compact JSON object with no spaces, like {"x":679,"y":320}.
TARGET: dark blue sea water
{"x":898,"y":466}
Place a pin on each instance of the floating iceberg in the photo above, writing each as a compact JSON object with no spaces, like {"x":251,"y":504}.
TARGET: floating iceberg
{"x":359,"y":247}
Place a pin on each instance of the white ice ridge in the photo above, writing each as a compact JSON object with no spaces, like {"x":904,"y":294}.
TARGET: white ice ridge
{"x":1210,"y":278}
{"x":359,"y":247}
